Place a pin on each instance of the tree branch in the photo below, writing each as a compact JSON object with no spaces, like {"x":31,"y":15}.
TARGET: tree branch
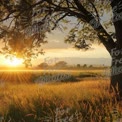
{"x":107,"y":40}
{"x":95,"y":10}
{"x":59,"y":20}
{"x":7,"y":17}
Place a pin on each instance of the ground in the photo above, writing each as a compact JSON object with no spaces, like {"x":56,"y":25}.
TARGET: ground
{"x":87,"y":99}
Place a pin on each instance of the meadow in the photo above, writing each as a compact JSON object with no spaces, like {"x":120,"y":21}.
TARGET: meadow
{"x":85,"y":100}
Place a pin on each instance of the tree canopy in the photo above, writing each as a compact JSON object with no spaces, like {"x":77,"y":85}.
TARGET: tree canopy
{"x":25,"y":23}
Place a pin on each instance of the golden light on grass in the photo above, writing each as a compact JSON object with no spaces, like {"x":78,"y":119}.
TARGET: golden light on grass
{"x":14,"y":62}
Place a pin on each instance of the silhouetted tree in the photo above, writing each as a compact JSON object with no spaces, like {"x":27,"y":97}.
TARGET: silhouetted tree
{"x":85,"y":65}
{"x":60,"y":64}
{"x":43,"y":65}
{"x":90,"y":66}
{"x":78,"y":65}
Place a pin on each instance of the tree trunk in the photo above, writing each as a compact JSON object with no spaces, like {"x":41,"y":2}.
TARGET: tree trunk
{"x":116,"y":53}
{"x":116,"y":73}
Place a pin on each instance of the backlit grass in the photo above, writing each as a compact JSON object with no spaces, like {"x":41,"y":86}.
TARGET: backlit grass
{"x":86,"y":101}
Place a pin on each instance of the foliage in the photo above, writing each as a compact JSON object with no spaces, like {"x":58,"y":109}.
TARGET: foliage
{"x":25,"y":23}
{"x":43,"y":65}
{"x":85,"y":65}
{"x":78,"y":65}
{"x":60,"y":64}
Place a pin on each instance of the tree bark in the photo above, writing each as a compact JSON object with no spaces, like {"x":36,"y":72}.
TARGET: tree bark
{"x":116,"y":73}
{"x":116,"y":53}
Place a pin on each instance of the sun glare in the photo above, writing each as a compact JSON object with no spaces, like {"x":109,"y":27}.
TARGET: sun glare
{"x":14,"y":62}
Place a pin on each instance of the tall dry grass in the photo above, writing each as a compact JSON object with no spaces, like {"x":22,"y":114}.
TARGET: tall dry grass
{"x":86,"y":101}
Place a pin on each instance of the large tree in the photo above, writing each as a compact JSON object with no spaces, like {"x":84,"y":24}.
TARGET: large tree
{"x":25,"y":23}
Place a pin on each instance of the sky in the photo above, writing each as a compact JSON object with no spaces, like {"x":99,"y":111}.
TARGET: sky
{"x":56,"y":47}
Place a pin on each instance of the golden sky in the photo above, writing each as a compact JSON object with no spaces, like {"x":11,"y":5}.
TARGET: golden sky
{"x":57,"y":48}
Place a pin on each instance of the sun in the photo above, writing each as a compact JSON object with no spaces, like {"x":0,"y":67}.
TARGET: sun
{"x":14,"y":62}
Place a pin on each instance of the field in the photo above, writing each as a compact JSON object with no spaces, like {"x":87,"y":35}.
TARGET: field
{"x":85,"y":100}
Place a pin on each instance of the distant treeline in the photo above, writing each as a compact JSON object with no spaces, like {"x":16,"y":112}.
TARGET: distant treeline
{"x":65,"y":65}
